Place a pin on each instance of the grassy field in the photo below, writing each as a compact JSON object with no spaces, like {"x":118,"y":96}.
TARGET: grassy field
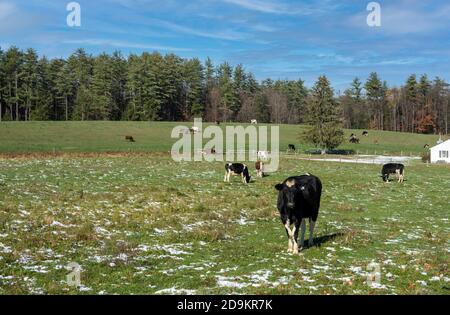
{"x":19,"y":137}
{"x":148,"y":225}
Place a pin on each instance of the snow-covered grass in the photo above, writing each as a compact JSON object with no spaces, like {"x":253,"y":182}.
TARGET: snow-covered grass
{"x":145,"y":224}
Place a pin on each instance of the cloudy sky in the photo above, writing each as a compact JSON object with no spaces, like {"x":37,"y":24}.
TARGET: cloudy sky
{"x":283,"y":39}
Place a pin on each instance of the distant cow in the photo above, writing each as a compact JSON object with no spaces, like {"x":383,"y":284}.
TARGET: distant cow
{"x":392,"y":168}
{"x":291,"y":148}
{"x":354,"y":139}
{"x":365,"y":133}
{"x":263,"y":155}
{"x":426,"y":146}
{"x":259,"y":166}
{"x":298,"y":200}
{"x":254,"y":122}
{"x":194,"y":130}
{"x":129,"y":138}
{"x":237,"y":169}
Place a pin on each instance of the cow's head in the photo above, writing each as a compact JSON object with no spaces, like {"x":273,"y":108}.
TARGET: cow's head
{"x":288,"y":193}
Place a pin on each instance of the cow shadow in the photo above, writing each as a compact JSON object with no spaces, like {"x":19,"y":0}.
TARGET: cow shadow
{"x":319,"y":241}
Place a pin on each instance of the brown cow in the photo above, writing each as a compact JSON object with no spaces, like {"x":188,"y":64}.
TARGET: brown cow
{"x":129,"y":138}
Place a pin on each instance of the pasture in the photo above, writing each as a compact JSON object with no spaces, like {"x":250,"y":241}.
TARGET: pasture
{"x":62,"y":137}
{"x":143,"y":224}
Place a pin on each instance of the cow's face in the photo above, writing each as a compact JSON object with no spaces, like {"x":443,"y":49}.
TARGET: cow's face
{"x":288,"y":192}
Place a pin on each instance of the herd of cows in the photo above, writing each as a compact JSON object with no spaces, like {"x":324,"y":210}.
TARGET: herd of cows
{"x":299,"y":198}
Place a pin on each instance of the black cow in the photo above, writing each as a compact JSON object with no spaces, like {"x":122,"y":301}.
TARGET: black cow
{"x":291,"y":148}
{"x":298,"y":200}
{"x":354,"y":139}
{"x":365,"y":133}
{"x":237,"y":169}
{"x":392,"y":168}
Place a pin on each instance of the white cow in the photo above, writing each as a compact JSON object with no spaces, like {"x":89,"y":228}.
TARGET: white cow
{"x":254,"y":122}
{"x":263,"y":155}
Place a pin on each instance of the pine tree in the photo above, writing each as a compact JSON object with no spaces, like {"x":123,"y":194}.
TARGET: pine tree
{"x":323,"y":117}
{"x":102,"y":107}
{"x":376,"y":98}
{"x":193,"y":88}
{"x":227,"y":94}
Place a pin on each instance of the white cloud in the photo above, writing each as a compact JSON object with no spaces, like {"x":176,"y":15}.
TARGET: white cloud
{"x":407,"y":18}
{"x":278,"y":7}
{"x":122,"y":44}
{"x":226,"y":35}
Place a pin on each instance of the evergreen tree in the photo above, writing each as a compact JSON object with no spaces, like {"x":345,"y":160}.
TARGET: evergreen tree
{"x":376,"y":98}
{"x":193,"y":88}
{"x":227,"y":95}
{"x":323,"y":117}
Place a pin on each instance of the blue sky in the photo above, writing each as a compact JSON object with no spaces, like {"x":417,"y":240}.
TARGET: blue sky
{"x":283,"y":39}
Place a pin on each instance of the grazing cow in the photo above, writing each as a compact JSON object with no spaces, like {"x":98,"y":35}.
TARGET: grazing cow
{"x":298,"y":200}
{"x":354,"y":140}
{"x":254,"y":122}
{"x":194,"y":130}
{"x":392,"y":168}
{"x":426,"y":146}
{"x":237,"y":169}
{"x":365,"y":133}
{"x":129,"y":138}
{"x":291,"y":148}
{"x":259,"y":166}
{"x":263,"y":155}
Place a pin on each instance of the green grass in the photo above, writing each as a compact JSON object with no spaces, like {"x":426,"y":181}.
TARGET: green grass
{"x":142,"y":224}
{"x":155,"y":137}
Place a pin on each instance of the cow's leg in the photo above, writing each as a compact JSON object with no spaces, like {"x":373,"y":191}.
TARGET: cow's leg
{"x":287,"y":225}
{"x":225,"y":178}
{"x":295,"y":238}
{"x":303,"y":228}
{"x":312,"y":225}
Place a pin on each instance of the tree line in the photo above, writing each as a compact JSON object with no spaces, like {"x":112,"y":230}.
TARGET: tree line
{"x":156,"y":87}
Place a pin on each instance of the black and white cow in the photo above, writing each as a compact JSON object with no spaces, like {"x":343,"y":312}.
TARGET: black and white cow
{"x":237,"y":169}
{"x":393,"y":168}
{"x":298,"y":200}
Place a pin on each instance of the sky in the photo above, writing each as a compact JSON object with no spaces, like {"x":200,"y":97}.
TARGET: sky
{"x":283,"y":39}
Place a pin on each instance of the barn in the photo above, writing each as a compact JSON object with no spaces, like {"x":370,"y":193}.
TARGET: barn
{"x":441,"y":153}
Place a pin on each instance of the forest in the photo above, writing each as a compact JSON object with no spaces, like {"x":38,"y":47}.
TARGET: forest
{"x":156,"y":87}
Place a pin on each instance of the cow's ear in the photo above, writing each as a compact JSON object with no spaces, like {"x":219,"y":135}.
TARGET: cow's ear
{"x":279,"y":187}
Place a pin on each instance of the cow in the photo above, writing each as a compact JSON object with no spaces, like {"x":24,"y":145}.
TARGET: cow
{"x":254,"y":122}
{"x":354,"y":139}
{"x":263,"y":155}
{"x":365,"y":133}
{"x":392,"y":168}
{"x":237,"y":169}
{"x":298,"y":200}
{"x":259,"y":166}
{"x":194,"y":130}
{"x":426,"y":146}
{"x":129,"y":138}
{"x":291,"y":148}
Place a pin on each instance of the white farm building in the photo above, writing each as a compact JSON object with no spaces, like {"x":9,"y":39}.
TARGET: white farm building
{"x":441,"y":153}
